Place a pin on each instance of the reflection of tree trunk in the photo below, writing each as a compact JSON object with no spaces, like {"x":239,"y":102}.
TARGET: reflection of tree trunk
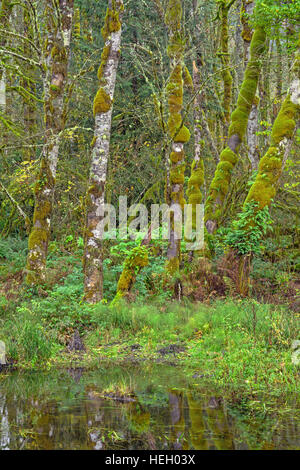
{"x":218,"y":424}
{"x":197,"y":429}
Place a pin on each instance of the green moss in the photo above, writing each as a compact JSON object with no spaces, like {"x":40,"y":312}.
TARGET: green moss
{"x":174,"y":122}
{"x":263,"y":189}
{"x":177,"y":174}
{"x":102,"y":102}
{"x":175,"y":91}
{"x":284,"y":124}
{"x":112,"y":23}
{"x":227,"y":155}
{"x":187,"y":79}
{"x":183,"y":135}
{"x":137,"y":259}
{"x":257,"y":45}
{"x":172,"y":266}
{"x":94,"y":139}
{"x":104,"y":58}
{"x":176,"y":157}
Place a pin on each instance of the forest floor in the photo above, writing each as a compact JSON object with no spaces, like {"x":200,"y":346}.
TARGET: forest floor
{"x":242,"y":344}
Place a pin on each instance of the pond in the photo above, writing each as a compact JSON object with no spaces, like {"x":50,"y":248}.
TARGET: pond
{"x":137,"y":407}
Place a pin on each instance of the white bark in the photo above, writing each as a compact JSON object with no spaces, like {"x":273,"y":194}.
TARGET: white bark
{"x":3,"y":92}
{"x":252,"y":137}
{"x":93,"y":282}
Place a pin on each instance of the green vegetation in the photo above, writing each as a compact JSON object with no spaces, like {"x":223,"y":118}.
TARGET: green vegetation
{"x":235,"y":342}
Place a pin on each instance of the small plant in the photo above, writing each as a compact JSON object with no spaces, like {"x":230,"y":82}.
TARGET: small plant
{"x":247,"y":231}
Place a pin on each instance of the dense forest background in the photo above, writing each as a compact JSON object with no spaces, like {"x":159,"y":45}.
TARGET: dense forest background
{"x":259,"y":258}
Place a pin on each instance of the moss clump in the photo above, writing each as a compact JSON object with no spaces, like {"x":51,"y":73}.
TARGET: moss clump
{"x":172,"y":266}
{"x":104,"y":59}
{"x":187,"y":79}
{"x":176,"y":157}
{"x":183,"y":135}
{"x":102,"y":102}
{"x":175,"y":90}
{"x":137,"y":259}
{"x":112,"y":23}
{"x":284,"y":124}
{"x":177,"y":174}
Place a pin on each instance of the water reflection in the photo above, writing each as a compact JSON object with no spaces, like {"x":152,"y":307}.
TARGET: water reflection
{"x":69,"y":410}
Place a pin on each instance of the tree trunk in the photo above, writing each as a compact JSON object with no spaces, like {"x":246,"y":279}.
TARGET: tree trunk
{"x":29,"y":104}
{"x":264,"y":188}
{"x":93,"y":261}
{"x":237,"y":130}
{"x":270,"y":167}
{"x":55,"y":80}
{"x":178,"y":132}
{"x":225,"y":57}
{"x":5,"y":12}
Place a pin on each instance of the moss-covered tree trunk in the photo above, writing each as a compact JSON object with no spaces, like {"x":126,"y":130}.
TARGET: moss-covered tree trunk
{"x":225,"y":6}
{"x":237,"y":130}
{"x":196,"y":179}
{"x":93,"y":269}
{"x":59,"y":27}
{"x":178,"y":132}
{"x":270,"y":167}
{"x":264,"y":188}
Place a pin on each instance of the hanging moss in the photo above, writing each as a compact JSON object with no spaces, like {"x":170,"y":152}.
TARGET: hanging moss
{"x":102,"y":102}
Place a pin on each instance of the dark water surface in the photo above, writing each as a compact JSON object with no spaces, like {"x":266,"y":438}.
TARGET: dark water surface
{"x":70,"y":409}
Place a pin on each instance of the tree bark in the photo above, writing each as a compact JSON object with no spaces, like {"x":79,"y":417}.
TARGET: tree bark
{"x":93,"y":258}
{"x":59,"y":29}
{"x":237,"y":130}
{"x":178,"y":132}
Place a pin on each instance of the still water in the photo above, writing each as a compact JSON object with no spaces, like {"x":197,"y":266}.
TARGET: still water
{"x":77,"y":409}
